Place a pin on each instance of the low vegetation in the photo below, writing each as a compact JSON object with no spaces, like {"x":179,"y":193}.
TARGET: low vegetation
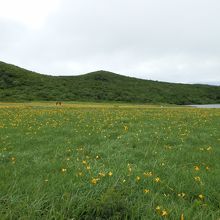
{"x":17,"y":84}
{"x":103,"y":161}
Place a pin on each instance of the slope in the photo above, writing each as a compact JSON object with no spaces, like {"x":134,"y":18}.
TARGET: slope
{"x":18,"y":84}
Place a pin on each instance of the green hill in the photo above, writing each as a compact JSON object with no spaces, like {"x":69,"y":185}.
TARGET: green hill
{"x":18,"y":84}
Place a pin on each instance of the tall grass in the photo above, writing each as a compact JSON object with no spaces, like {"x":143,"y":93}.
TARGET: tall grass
{"x":108,"y":162}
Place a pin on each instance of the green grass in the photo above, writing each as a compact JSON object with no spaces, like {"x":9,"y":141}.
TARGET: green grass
{"x":17,"y":84}
{"x":56,"y":162}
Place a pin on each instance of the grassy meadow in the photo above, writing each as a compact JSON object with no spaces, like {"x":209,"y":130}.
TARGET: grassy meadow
{"x":108,"y":161}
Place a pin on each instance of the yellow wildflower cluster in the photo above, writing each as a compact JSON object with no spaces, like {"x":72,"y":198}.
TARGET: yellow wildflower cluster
{"x":161,"y":212}
{"x":148,"y":174}
{"x":95,"y":164}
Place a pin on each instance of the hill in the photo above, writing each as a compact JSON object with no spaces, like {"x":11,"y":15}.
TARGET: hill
{"x":18,"y":84}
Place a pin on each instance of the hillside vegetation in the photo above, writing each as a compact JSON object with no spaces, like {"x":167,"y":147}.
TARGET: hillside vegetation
{"x":18,"y":84}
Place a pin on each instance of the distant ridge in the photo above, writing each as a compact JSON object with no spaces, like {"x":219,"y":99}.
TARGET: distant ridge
{"x":18,"y":84}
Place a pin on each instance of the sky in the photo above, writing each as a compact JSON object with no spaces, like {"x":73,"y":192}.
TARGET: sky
{"x":172,"y":40}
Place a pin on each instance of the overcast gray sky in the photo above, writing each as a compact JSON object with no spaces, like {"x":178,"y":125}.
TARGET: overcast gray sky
{"x":167,"y":40}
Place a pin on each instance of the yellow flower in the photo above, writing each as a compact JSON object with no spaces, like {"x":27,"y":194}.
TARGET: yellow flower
{"x":146,"y":191}
{"x":201,"y":196}
{"x":63,"y":170}
{"x":13,"y":158}
{"x":181,"y":195}
{"x":84,"y":162}
{"x":164,"y":213}
{"x":158,"y":208}
{"x":197,"y":179}
{"x":94,"y":181}
{"x":209,"y":148}
{"x":80,"y":174}
{"x":182,"y":217}
{"x":196,"y":168}
{"x":102,"y":174}
{"x":110,"y":173}
{"x":138,"y":178}
{"x":148,"y":174}
{"x":157,"y":179}
{"x":88,"y":168}
{"x":97,"y":157}
{"x":126,"y":127}
{"x":207,"y":168}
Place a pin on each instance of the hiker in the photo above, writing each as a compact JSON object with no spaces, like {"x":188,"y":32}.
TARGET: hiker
{"x":58,"y":103}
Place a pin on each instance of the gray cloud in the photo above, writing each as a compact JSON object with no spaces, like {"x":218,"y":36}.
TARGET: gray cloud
{"x":173,"y":40}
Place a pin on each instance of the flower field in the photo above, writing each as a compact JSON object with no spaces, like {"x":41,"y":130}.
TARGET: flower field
{"x":108,"y":161}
